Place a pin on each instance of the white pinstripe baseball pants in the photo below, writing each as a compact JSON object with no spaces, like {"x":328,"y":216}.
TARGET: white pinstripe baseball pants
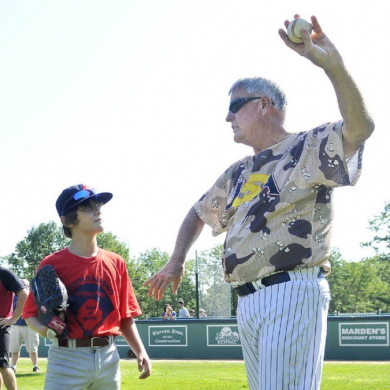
{"x":283,"y":332}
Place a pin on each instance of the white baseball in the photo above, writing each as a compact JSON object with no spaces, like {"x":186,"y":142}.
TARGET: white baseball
{"x":295,"y":27}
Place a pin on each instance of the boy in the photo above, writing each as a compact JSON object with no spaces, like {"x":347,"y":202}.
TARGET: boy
{"x":10,"y":284}
{"x":101,"y":301}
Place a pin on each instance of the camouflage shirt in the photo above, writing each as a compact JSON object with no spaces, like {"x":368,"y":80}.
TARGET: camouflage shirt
{"x":276,"y":207}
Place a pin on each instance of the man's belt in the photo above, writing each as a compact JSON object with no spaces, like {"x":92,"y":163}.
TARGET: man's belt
{"x":270,"y":280}
{"x":102,"y":341}
{"x":250,"y":288}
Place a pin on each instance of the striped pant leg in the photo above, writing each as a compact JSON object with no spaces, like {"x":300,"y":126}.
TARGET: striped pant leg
{"x":249,"y":317}
{"x":283,"y":332}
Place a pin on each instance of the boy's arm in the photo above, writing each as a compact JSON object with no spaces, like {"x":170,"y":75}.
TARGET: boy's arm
{"x":130,"y":333}
{"x":22,"y":296}
{"x":36,"y":325}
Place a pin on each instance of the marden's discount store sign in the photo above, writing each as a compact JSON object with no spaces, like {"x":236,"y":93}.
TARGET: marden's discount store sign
{"x":364,"y":334}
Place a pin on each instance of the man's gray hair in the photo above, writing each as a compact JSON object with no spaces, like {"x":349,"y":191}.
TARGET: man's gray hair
{"x":258,"y":86}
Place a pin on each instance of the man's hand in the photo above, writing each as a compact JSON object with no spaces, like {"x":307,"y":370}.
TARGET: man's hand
{"x":316,"y":47}
{"x":358,"y":123}
{"x":171,"y":273}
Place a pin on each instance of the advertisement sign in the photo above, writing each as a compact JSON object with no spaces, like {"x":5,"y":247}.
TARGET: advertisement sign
{"x":357,"y":334}
{"x":120,"y":342}
{"x":223,"y":336}
{"x":167,"y":336}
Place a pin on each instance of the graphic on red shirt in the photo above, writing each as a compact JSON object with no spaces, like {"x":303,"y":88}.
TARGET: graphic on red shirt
{"x":90,"y":305}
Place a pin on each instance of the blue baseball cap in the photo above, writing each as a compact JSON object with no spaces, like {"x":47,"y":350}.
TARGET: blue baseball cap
{"x":72,"y":196}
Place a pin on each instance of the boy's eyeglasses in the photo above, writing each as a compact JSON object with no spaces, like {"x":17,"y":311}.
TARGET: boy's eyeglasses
{"x":236,"y":104}
{"x":84,"y":194}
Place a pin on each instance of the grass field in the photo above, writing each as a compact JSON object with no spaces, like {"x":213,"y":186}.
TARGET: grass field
{"x":220,"y":375}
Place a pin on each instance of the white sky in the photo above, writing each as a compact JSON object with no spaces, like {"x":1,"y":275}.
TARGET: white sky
{"x":131,"y":96}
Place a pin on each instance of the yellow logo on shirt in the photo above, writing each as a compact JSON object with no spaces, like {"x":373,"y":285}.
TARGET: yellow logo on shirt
{"x":251,"y":188}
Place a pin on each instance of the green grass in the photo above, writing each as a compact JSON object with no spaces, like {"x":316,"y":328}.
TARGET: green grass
{"x":356,"y":376}
{"x":221,"y":375}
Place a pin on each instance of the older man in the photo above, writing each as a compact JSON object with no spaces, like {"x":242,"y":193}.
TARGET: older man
{"x":276,"y":209}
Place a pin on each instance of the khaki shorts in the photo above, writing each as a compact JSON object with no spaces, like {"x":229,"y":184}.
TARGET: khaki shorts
{"x":20,"y":334}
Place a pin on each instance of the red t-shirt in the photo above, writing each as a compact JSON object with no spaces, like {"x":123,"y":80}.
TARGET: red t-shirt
{"x":99,"y":290}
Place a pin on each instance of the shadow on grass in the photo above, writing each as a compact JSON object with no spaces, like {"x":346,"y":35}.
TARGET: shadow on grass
{"x":28,"y":375}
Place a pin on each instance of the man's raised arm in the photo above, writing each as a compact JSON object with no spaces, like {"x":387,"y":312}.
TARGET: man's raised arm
{"x":316,"y":47}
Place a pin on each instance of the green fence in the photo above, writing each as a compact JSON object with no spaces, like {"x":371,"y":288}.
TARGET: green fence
{"x":349,"y":338}
{"x":358,"y":338}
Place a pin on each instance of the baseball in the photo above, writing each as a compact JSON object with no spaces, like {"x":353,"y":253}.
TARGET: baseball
{"x":295,"y":27}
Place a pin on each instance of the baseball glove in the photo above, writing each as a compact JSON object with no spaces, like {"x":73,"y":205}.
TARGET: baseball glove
{"x":51,"y":299}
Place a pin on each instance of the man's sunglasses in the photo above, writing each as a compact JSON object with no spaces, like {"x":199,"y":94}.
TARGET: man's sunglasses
{"x":236,"y":104}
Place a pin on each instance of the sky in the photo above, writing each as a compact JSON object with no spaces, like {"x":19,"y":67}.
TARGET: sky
{"x":131,"y":97}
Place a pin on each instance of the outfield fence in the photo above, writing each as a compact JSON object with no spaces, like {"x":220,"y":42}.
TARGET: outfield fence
{"x":350,"y":337}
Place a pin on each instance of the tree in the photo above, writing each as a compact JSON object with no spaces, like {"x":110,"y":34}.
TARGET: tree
{"x":380,"y":293}
{"x":215,"y":295}
{"x":39,"y":243}
{"x":337,"y":282}
{"x":3,"y":260}
{"x":111,"y":243}
{"x":148,"y":264}
{"x":17,"y":265}
{"x":380,"y":224}
{"x":359,"y":287}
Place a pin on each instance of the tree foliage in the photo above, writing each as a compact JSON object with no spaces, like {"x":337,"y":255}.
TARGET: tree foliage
{"x":380,"y":224}
{"x":111,"y":243}
{"x":144,"y":267}
{"x":39,"y":242}
{"x":215,"y":295}
{"x":359,"y":287}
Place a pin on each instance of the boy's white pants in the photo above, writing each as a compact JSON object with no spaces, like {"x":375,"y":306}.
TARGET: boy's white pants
{"x":83,"y":368}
